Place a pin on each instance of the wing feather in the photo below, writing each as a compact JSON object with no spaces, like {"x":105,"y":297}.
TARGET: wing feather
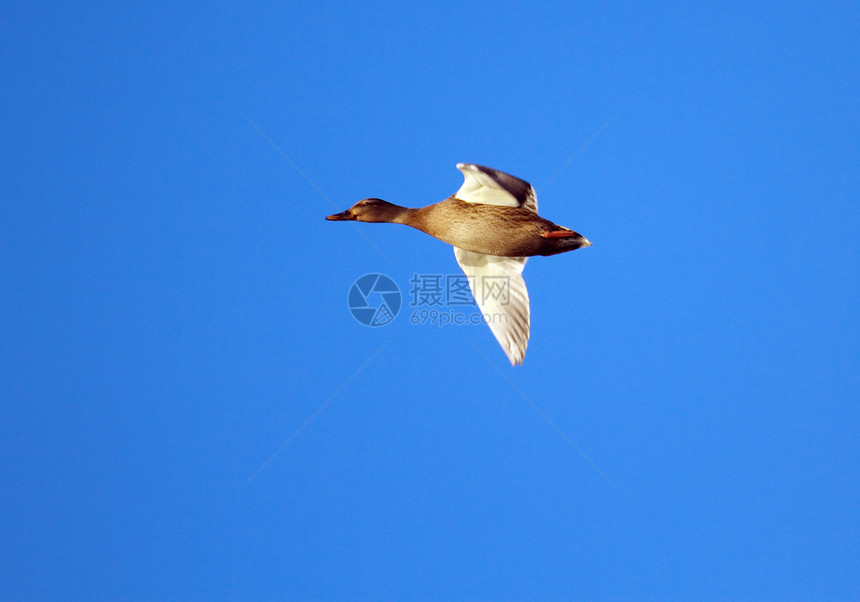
{"x":492,"y":187}
{"x":500,"y":291}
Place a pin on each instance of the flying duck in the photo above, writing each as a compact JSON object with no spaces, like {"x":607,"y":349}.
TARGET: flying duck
{"x":493,"y":225}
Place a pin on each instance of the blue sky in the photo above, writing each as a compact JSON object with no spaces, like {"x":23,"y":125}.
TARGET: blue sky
{"x":174,"y":306}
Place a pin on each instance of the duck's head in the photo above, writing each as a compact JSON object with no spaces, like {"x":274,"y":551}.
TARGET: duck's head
{"x":369,"y":210}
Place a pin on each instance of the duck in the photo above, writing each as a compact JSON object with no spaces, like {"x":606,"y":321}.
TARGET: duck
{"x":493,"y":224}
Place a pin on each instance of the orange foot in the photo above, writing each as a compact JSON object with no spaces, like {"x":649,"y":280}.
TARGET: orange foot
{"x":559,"y":234}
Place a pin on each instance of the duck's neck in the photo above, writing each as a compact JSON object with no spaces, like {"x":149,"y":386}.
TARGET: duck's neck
{"x":396,"y":214}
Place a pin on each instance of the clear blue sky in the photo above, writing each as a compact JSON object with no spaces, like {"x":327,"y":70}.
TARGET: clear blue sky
{"x":174,"y":306}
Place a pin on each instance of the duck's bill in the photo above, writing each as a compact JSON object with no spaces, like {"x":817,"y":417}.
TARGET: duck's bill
{"x":338,"y":217}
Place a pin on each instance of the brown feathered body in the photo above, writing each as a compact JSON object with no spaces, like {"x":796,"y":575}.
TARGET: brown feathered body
{"x":476,"y":227}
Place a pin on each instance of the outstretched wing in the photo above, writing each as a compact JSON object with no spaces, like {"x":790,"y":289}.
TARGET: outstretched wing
{"x":498,"y":287}
{"x":493,"y":187}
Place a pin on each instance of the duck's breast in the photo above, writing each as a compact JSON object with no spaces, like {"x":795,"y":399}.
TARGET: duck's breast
{"x":488,"y":229}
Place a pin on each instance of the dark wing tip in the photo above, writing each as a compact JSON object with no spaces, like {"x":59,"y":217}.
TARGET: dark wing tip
{"x":520,"y":189}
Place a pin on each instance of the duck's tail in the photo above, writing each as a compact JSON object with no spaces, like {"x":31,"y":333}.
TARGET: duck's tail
{"x":563,"y":240}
